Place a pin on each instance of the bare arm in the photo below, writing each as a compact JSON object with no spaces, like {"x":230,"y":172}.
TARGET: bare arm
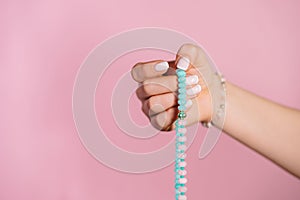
{"x":268,"y":128}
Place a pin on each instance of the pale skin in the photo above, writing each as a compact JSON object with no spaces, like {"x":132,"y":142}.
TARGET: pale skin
{"x":268,"y":128}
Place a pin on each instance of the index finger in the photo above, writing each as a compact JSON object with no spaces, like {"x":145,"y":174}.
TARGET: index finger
{"x":142,"y":71}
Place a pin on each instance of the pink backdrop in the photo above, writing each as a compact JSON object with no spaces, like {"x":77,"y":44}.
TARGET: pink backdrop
{"x":255,"y":43}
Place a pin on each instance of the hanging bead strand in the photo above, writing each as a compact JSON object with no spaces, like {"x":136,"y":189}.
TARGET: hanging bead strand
{"x":180,"y":164}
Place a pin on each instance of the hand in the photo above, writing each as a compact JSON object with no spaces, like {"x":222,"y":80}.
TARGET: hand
{"x":158,"y":86}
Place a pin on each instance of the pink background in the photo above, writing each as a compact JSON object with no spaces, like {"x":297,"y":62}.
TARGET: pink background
{"x":255,"y":43}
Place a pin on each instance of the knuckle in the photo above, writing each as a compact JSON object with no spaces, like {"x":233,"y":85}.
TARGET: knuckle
{"x":137,"y":72}
{"x":137,"y":65}
{"x":186,"y":46}
{"x":144,"y":70}
{"x":134,"y":75}
{"x":151,"y":102}
{"x":148,"y":87}
{"x":145,"y":108}
{"x":155,"y":105}
{"x":194,"y":51}
{"x":191,"y":48}
{"x":156,"y":123}
{"x":146,"y":82}
{"x":139,"y":93}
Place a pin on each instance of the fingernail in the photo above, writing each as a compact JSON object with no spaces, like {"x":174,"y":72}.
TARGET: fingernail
{"x":183,"y":63}
{"x":162,"y":66}
{"x":194,"y":90}
{"x":189,"y":103}
{"x":191,"y":80}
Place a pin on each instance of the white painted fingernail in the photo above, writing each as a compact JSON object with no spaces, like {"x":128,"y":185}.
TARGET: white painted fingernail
{"x":183,"y":63}
{"x":194,"y":90}
{"x":191,"y":80}
{"x":189,"y":103}
{"x":162,"y":66}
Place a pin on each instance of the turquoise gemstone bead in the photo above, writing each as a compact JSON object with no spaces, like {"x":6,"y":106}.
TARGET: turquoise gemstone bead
{"x":180,"y":72}
{"x":181,"y":108}
{"x":179,"y":126}
{"x":181,"y":85}
{"x":182,"y":91}
{"x":181,"y":79}
{"x":181,"y":102}
{"x":182,"y":96}
{"x":179,"y":135}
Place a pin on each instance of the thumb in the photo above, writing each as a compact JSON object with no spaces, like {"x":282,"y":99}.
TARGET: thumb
{"x":193,"y":59}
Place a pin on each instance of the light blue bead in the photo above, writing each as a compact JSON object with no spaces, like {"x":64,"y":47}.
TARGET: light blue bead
{"x":182,"y":96}
{"x":179,"y":75}
{"x":181,"y":108}
{"x":179,"y":126}
{"x":180,"y":72}
{"x":182,"y":85}
{"x":182,"y":91}
{"x":181,"y":102}
{"x":181,"y":79}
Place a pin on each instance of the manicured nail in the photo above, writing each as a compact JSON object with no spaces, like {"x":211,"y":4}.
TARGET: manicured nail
{"x":191,"y":80}
{"x":194,"y":90}
{"x":183,"y":63}
{"x":162,"y":66}
{"x":189,"y":103}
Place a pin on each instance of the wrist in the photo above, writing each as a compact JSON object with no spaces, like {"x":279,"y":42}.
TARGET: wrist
{"x":213,"y":109}
{"x":205,"y":106}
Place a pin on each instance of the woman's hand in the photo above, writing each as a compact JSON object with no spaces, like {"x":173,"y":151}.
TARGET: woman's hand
{"x":267,"y":127}
{"x":158,"y":88}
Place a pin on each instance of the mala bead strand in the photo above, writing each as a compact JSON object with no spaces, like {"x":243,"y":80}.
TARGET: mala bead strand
{"x":180,"y":164}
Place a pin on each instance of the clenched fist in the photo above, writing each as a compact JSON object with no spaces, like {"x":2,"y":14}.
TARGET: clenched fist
{"x":158,"y":88}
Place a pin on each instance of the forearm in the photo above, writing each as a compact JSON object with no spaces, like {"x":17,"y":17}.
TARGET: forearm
{"x":268,"y":128}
